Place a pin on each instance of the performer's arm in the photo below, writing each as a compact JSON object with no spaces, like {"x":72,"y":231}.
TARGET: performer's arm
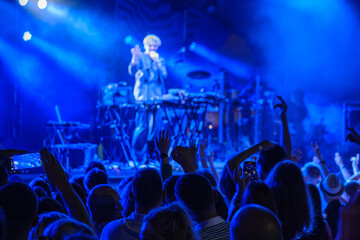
{"x":285,"y":140}
{"x":133,"y":66}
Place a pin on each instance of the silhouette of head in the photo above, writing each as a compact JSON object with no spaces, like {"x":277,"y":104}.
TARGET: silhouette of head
{"x":194,"y":191}
{"x":168,"y":223}
{"x":20,"y":205}
{"x":254,"y":222}
{"x":104,"y":204}
{"x":95,"y":177}
{"x":147,"y":188}
{"x":257,"y":192}
{"x":268,"y":159}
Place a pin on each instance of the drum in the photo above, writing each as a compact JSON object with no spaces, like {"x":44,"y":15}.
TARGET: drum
{"x":116,"y":94}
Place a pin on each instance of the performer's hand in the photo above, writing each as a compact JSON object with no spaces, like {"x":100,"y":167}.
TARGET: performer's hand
{"x":135,"y":51}
{"x":154,"y":56}
{"x":139,"y":74}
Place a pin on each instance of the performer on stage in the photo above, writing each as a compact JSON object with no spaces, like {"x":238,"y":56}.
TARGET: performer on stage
{"x":149,"y":71}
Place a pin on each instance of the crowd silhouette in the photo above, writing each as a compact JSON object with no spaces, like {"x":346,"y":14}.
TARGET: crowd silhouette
{"x":276,"y":199}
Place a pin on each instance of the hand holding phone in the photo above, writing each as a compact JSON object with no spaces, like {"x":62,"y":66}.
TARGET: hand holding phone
{"x":25,"y":161}
{"x":249,"y":167}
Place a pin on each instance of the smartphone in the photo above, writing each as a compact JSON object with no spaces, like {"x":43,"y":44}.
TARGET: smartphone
{"x":24,"y":161}
{"x":249,"y":166}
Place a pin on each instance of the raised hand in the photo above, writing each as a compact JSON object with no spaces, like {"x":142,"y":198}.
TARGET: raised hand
{"x":353,"y":136}
{"x":283,"y":107}
{"x":193,"y":146}
{"x":241,"y":181}
{"x":53,"y":170}
{"x":57,"y":177}
{"x":135,"y":51}
{"x":194,"y":149}
{"x":338,"y":160}
{"x":296,"y":155}
{"x":183,"y":156}
{"x":203,"y":155}
{"x":355,"y":160}
{"x":315,"y":147}
{"x":163,"y":142}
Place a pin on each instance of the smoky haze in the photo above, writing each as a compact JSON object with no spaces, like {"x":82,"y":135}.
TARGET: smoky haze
{"x":311,"y":45}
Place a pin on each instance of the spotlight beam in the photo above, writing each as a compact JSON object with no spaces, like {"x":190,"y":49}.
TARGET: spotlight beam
{"x":236,"y":67}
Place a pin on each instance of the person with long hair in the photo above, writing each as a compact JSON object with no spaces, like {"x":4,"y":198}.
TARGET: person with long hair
{"x":257,"y":192}
{"x":292,"y":199}
{"x":321,"y":229}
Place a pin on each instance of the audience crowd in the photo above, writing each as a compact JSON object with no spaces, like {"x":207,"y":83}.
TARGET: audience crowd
{"x":270,"y":198}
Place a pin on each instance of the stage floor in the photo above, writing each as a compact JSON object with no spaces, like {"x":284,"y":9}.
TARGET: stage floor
{"x":116,"y":171}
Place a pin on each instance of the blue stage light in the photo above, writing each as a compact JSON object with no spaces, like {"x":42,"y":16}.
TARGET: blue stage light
{"x":192,"y":46}
{"x":42,"y":4}
{"x":128,"y":39}
{"x":27,"y":36}
{"x":23,"y":2}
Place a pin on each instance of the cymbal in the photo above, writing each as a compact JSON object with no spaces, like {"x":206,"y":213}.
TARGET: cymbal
{"x":199,"y":74}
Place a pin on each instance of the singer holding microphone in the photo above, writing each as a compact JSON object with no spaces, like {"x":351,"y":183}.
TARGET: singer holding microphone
{"x":149,"y":71}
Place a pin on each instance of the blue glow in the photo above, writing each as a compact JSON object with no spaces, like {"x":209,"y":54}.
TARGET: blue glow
{"x":309,"y":45}
{"x":234,"y":66}
{"x":58,"y":10}
{"x":192,"y":46}
{"x":128,"y":39}
{"x":66,"y":58}
{"x":131,"y":41}
{"x":21,"y":67}
{"x":27,"y":36}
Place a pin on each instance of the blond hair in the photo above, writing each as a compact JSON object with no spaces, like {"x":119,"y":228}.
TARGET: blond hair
{"x":152,"y":37}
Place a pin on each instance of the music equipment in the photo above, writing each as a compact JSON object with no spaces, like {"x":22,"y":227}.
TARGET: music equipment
{"x":115,"y":94}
